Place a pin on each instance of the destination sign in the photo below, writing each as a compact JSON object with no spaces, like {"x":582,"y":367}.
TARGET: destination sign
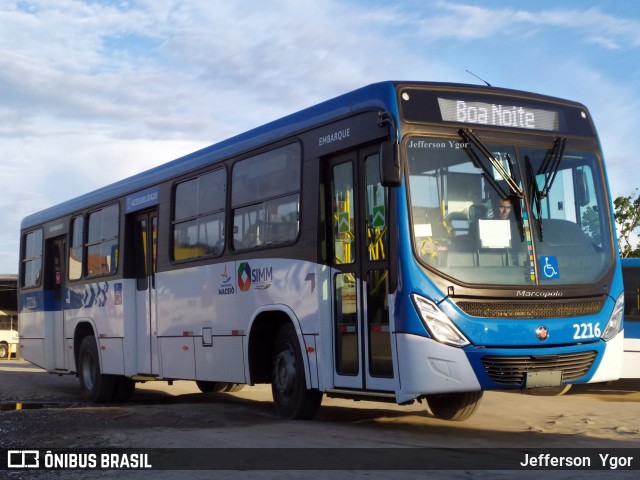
{"x":493,"y":108}
{"x":498,"y":114}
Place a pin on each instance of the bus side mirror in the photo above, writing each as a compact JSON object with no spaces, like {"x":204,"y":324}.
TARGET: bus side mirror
{"x":390,"y":171}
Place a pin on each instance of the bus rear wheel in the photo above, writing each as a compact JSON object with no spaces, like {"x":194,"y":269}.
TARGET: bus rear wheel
{"x":219,"y":387}
{"x":455,"y":406}
{"x":290,"y":394}
{"x":96,"y":387}
{"x":4,"y":350}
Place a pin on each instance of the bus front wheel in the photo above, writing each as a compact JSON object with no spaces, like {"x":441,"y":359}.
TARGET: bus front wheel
{"x":455,"y":406}
{"x":4,"y":350}
{"x":96,"y":387}
{"x":290,"y":394}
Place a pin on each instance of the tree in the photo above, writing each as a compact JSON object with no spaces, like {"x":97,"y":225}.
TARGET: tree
{"x":627,"y":211}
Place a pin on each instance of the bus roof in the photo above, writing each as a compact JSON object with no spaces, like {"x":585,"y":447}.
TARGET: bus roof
{"x":375,"y":96}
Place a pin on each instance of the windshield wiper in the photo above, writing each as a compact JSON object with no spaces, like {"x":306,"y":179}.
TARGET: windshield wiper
{"x":534,"y":195}
{"x":550,"y":165}
{"x":469,"y":137}
{"x":516,"y":193}
{"x":549,"y":168}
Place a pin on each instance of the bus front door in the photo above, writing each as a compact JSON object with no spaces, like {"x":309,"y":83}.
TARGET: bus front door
{"x":146,"y":229}
{"x":358,"y":212}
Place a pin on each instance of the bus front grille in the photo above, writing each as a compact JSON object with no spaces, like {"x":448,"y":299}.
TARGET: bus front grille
{"x":512,"y":370}
{"x":530,"y":309}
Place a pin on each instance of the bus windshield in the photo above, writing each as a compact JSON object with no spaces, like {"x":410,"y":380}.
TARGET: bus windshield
{"x":506,"y":214}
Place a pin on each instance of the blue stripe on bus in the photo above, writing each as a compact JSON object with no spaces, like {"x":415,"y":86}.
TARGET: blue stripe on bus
{"x":85,"y":296}
{"x":631,"y":327}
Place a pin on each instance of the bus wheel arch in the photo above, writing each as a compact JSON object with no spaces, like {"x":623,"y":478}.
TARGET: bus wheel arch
{"x":262,"y":336}
{"x":83,"y":329}
{"x":276,"y":356}
{"x":97,"y":387}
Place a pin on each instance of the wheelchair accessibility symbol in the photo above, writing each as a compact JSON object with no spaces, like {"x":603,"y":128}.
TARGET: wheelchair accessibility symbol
{"x":549,"y":268}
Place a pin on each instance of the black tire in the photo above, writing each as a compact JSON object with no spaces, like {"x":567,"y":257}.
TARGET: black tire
{"x":456,"y":406}
{"x":96,"y":387}
{"x":4,"y":350}
{"x":219,"y":387}
{"x":290,"y":395}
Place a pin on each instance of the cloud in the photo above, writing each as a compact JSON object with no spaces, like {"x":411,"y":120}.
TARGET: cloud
{"x":93,"y":91}
{"x":464,"y":22}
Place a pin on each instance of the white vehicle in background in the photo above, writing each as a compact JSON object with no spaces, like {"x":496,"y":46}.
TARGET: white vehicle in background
{"x":631,"y":279}
{"x":8,"y":335}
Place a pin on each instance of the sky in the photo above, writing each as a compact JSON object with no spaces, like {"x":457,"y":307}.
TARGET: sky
{"x":93,"y":91}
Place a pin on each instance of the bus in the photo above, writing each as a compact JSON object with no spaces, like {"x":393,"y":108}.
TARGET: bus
{"x":631,"y":278}
{"x":8,"y":334}
{"x":8,"y":316}
{"x":352,"y":249}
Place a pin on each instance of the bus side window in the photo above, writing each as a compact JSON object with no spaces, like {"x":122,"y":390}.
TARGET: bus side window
{"x":102,"y":242}
{"x":198,"y":217}
{"x":32,"y":259}
{"x":265,"y":208}
{"x":76,"y":248}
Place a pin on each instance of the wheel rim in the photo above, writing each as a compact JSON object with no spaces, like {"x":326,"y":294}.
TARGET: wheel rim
{"x":285,"y":373}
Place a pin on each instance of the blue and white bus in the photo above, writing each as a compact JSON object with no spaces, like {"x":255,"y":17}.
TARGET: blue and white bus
{"x":631,"y":277}
{"x":354,"y":249}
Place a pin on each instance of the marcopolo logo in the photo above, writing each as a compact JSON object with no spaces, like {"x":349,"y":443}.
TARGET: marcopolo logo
{"x":260,"y":278}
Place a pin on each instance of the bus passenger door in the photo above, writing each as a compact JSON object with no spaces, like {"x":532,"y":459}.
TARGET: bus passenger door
{"x":146,"y":229}
{"x":54,"y":281}
{"x":358,"y":231}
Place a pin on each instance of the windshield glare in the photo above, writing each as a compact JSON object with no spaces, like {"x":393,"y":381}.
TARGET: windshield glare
{"x":468,"y":223}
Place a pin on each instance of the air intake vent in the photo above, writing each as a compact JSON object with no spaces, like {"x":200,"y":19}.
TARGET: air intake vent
{"x":512,"y":370}
{"x":540,"y":309}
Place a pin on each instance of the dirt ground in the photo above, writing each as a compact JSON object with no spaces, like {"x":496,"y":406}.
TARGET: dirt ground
{"x":50,"y":415}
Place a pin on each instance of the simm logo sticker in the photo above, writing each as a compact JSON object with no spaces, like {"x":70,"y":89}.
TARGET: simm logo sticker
{"x":260,"y":278}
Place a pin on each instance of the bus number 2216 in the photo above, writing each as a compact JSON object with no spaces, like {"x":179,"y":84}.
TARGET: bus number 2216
{"x":586,"y":330}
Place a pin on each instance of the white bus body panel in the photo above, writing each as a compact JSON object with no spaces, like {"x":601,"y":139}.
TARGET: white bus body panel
{"x":212,"y":362}
{"x":220,"y":302}
{"x":428,"y":367}
{"x":631,"y":367}
{"x":32,"y":345}
{"x":610,"y":367}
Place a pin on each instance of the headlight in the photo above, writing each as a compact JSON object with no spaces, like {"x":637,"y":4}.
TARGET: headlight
{"x":615,"y":321}
{"x":437,"y":323}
